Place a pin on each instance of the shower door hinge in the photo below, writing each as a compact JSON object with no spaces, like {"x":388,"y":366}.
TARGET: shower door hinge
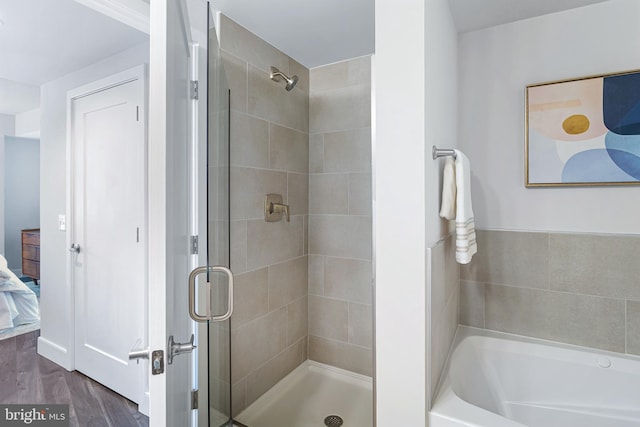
{"x":194,"y":399}
{"x":194,"y":245}
{"x":194,"y":89}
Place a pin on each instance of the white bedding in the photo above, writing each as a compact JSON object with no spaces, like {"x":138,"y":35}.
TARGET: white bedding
{"x":18,"y":303}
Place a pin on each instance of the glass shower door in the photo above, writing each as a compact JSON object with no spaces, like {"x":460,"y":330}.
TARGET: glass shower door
{"x":218,"y":253}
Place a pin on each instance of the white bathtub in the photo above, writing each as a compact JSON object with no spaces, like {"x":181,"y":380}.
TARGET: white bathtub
{"x":501,"y":380}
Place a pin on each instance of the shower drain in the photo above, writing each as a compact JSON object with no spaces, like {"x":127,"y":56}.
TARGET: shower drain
{"x":333,"y":421}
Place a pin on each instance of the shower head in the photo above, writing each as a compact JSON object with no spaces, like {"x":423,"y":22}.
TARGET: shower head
{"x":277,"y":75}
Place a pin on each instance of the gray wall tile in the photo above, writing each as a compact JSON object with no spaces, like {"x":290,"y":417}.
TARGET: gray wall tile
{"x":347,"y":151}
{"x":297,"y":320}
{"x":236,"y":71}
{"x":340,"y":206}
{"x":269,"y":100}
{"x":250,"y":297}
{"x":348,"y":279}
{"x":249,"y":141}
{"x":339,"y":109}
{"x":243,"y":44}
{"x":305,"y":234}
{"x":442,"y":335}
{"x":239,"y":396}
{"x":360,"y":71}
{"x":342,"y":236}
{"x":510,"y":258}
{"x":330,"y":194}
{"x":269,"y":154}
{"x":316,"y":153}
{"x":360,"y":324}
{"x":252,"y":186}
{"x":298,"y":193}
{"x":328,"y":318}
{"x":633,"y":327}
{"x":289,"y":149}
{"x":238,"y":235}
{"x":303,"y":73}
{"x":472,"y":304}
{"x":595,"y":264}
{"x":287,"y":282}
{"x":328,"y":77}
{"x":346,"y":356}
{"x":445,"y":276}
{"x":258,"y":341}
{"x":316,"y":275}
{"x":265,"y":377}
{"x":360,"y":194}
{"x":576,"y":319}
{"x":273,"y":242}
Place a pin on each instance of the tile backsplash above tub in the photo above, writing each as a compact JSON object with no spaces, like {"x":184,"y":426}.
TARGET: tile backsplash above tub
{"x":580,"y":289}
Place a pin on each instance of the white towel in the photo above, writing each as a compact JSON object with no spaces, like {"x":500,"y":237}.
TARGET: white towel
{"x":465,"y":226}
{"x":448,"y":206}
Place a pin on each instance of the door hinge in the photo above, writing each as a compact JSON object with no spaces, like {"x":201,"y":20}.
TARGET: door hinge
{"x":194,"y":89}
{"x":194,"y":399}
{"x":194,"y":245}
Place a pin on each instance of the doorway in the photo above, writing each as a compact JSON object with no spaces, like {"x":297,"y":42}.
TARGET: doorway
{"x":108,"y":228}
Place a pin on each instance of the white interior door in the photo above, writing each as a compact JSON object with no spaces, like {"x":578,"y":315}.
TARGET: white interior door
{"x":170,"y":259}
{"x":108,"y":229}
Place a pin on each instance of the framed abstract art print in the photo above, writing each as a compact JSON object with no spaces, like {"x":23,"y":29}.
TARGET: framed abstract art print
{"x":583,"y":131}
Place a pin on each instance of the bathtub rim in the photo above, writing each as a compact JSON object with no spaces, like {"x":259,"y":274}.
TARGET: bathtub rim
{"x":446,"y":401}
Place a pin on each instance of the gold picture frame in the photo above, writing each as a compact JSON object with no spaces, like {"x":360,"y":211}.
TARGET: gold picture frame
{"x":583,"y":131}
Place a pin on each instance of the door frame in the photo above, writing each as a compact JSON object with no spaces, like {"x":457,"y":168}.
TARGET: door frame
{"x":156,"y":96}
{"x":158,"y":221}
{"x":138,"y":73}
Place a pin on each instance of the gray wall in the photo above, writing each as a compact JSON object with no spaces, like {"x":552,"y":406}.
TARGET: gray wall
{"x":7,"y":128}
{"x":21,"y":194}
{"x":304,"y":287}
{"x":269,"y":154}
{"x":580,"y":289}
{"x":340,"y":209}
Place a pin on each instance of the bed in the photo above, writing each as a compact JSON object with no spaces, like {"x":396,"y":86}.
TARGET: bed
{"x":18,"y":303}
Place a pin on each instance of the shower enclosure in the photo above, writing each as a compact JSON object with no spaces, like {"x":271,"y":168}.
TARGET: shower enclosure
{"x":297,"y":349}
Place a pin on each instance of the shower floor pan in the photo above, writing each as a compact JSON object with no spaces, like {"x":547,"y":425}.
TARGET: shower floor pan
{"x":311,"y":393}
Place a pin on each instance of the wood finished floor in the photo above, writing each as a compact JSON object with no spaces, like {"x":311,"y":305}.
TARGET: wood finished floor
{"x":27,"y":378}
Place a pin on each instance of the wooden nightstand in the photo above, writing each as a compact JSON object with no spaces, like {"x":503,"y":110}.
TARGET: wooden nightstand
{"x":31,"y":253}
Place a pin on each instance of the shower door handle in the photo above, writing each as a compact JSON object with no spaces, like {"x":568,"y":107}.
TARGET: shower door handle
{"x":208,"y":315}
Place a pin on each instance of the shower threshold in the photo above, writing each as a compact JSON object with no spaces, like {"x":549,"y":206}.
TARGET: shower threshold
{"x":309,"y":395}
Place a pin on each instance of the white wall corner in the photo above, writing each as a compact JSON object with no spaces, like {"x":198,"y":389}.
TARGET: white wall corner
{"x":134,"y":13}
{"x":28,"y":124}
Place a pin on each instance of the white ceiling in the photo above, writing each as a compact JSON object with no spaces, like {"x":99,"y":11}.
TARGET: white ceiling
{"x":313,"y":32}
{"x":470,"y":15}
{"x":322,"y":32}
{"x":42,"y":40}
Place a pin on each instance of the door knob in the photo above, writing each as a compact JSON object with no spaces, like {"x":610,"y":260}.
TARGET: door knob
{"x":176,"y":348}
{"x":139,"y":353}
{"x":75,"y":248}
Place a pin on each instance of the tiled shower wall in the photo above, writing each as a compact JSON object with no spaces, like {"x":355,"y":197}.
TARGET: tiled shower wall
{"x":269,"y":154}
{"x":340,"y":269}
{"x":580,"y":289}
{"x":444,"y":288}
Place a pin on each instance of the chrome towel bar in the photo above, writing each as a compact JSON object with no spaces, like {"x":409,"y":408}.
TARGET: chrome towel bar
{"x":442,"y":152}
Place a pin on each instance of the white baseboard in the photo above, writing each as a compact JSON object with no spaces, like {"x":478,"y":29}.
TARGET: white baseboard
{"x":57,"y":354}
